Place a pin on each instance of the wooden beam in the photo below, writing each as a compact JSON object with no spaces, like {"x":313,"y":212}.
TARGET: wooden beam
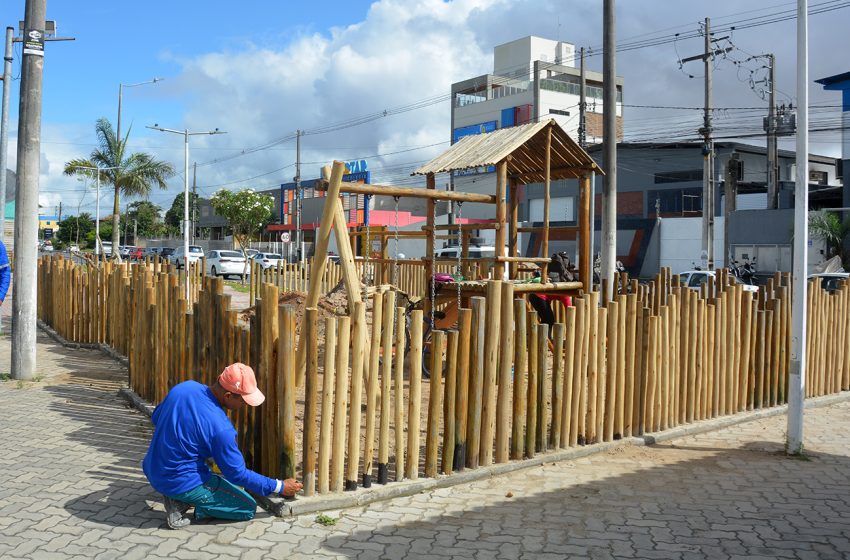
{"x":463,"y":227}
{"x":530,"y":229}
{"x":430,"y":206}
{"x":523,"y":259}
{"x":513,"y":220}
{"x":547,"y":189}
{"x":501,"y":185}
{"x":579,"y":171}
{"x":411,"y":192}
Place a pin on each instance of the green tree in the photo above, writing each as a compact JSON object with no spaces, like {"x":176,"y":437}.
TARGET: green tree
{"x":145,"y":214}
{"x":246,"y":211}
{"x":174,"y":216}
{"x":74,"y":229}
{"x":132,"y":174}
{"x":828,"y":227}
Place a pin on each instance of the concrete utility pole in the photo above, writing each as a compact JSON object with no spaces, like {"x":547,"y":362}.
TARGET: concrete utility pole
{"x":4,"y":127}
{"x":708,"y":191}
{"x":730,"y":195}
{"x":26,"y":195}
{"x":298,"y":244}
{"x":194,"y":200}
{"x":582,"y":109}
{"x":609,"y":141}
{"x":772,"y":145}
{"x":797,"y":377}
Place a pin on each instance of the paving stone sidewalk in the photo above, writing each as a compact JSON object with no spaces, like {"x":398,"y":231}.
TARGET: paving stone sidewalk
{"x":71,"y":487}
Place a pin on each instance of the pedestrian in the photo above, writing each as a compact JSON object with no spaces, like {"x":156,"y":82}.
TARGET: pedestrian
{"x":191,"y":427}
{"x":5,"y":272}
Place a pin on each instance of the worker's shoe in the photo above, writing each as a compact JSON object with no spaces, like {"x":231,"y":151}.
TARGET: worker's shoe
{"x":174,"y":510}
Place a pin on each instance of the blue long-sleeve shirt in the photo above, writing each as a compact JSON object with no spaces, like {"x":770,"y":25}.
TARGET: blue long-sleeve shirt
{"x":190,"y":427}
{"x":5,"y":271}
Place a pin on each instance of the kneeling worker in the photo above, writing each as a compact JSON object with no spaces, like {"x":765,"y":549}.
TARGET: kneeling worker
{"x":191,"y":426}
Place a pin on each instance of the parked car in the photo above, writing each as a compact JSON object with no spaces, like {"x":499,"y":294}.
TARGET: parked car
{"x":268,"y":260}
{"x":74,"y":249}
{"x":179,"y":258}
{"x":830,"y":281}
{"x":106,"y":248}
{"x":693,"y":279}
{"x":126,"y":250}
{"x":165,"y":253}
{"x":226,"y":263}
{"x":251,"y":252}
{"x":137,"y":254}
{"x":151,"y":251}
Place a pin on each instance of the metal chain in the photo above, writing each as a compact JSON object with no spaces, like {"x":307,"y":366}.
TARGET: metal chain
{"x":395,"y":256}
{"x":459,"y":271}
{"x":368,"y":249}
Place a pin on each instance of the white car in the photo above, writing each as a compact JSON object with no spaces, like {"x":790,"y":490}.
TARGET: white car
{"x":195,"y":255}
{"x":268,"y":260}
{"x":693,"y":279}
{"x":226,"y":263}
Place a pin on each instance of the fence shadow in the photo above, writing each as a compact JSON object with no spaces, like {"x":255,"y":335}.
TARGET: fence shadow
{"x":752,"y":502}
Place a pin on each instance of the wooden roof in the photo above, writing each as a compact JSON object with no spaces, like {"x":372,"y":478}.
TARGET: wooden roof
{"x":526,"y":144}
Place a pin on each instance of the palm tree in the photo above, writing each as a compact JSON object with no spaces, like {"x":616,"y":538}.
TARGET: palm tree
{"x":828,"y":227}
{"x":132,"y":175}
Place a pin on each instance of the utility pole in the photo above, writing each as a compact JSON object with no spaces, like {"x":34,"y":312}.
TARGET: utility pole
{"x":582,"y":108}
{"x":298,"y":242}
{"x":194,"y":200}
{"x":26,"y":193}
{"x":708,"y":196}
{"x":4,"y":127}
{"x":797,"y":370}
{"x":772,"y":147}
{"x":609,"y":141}
{"x":135,"y":230}
{"x":60,"y":213}
{"x":730,"y":195}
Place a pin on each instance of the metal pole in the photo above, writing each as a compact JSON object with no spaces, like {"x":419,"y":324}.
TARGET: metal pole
{"x":609,"y":140}
{"x":4,"y":128}
{"x":24,"y":298}
{"x":186,"y":211}
{"x":797,"y":377}
{"x":97,"y":218}
{"x":194,"y":200}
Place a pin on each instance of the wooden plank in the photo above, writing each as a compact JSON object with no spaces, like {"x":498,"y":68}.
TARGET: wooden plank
{"x":568,"y":404}
{"x":415,"y":394}
{"x":340,"y":404}
{"x":311,"y":387}
{"x":358,"y":364}
{"x":372,"y":389}
{"x":450,"y":402}
{"x":555,"y":436}
{"x":410,"y":192}
{"x":462,"y":391}
{"x":386,"y":384}
{"x":491,"y":362}
{"x":476,"y":382}
{"x":398,"y":386}
{"x":533,"y":380}
{"x":519,"y":379}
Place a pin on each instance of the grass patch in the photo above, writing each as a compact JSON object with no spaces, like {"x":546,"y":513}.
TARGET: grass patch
{"x":5,"y":376}
{"x":325,"y":520}
{"x":236,"y":286}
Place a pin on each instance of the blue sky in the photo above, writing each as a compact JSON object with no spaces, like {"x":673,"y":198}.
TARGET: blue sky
{"x":261,"y":70}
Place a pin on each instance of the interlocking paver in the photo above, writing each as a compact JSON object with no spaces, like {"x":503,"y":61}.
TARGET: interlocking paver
{"x":71,"y":487}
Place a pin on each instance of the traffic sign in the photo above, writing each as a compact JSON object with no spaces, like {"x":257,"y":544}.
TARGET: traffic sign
{"x":285,"y":237}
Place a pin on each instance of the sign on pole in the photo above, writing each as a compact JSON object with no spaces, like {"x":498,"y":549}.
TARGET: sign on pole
{"x":285,"y":237}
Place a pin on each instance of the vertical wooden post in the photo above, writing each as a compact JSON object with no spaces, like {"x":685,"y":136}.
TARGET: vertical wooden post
{"x":531,"y":399}
{"x":450,"y":402}
{"x":415,"y":395}
{"x":340,"y":404}
{"x":386,"y":378}
{"x":520,"y":364}
{"x":311,"y":319}
{"x":570,"y":385}
{"x":610,"y":384}
{"x":476,"y":383}
{"x":429,"y":240}
{"x":462,"y":391}
{"x":327,"y":404}
{"x":513,"y":220}
{"x":286,"y":377}
{"x":593,"y":368}
{"x":435,"y":404}
{"x":398,"y":383}
{"x":544,"y":276}
{"x":602,"y":373}
{"x":542,"y":387}
{"x":372,"y":388}
{"x":505,"y":364}
{"x":356,"y":396}
{"x":491,"y":359}
{"x":501,"y":185}
{"x":557,"y":385}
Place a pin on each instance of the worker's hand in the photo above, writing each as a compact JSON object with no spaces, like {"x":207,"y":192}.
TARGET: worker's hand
{"x":290,"y":487}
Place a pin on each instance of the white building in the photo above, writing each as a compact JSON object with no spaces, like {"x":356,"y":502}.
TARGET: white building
{"x":533,"y":79}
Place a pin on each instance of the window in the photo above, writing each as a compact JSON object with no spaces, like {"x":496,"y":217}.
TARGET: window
{"x":675,"y":201}
{"x":561,"y":209}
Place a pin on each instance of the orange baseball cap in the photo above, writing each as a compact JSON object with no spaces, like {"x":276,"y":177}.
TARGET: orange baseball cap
{"x":240,"y":380}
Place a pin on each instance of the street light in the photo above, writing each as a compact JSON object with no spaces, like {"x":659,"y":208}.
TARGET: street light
{"x":186,"y":134}
{"x":97,"y":210}
{"x":120,"y":90}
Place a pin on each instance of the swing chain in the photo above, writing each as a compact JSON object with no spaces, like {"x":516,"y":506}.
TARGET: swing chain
{"x":459,"y":272}
{"x":433,"y":267}
{"x":367,"y":249}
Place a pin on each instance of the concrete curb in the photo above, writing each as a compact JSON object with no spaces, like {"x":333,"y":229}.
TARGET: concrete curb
{"x":107,"y":350}
{"x":362,"y":496}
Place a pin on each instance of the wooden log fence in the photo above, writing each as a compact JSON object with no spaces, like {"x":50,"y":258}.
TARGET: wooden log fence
{"x":503,"y":386}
